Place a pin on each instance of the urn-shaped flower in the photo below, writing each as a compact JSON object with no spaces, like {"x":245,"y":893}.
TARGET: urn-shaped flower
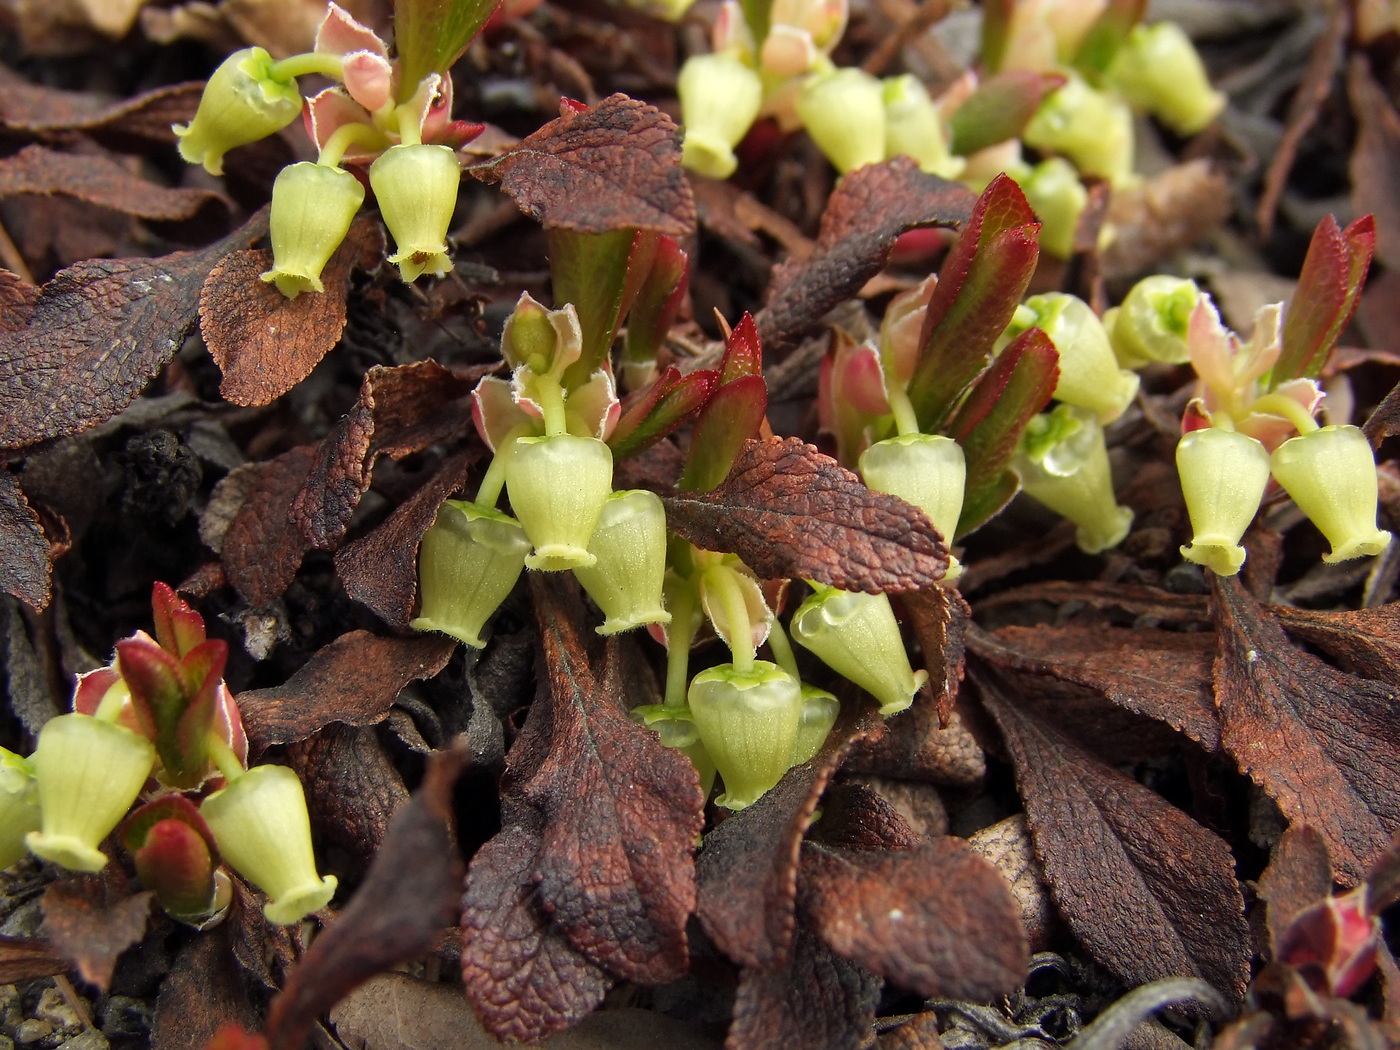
{"x":629,"y":544}
{"x":416,"y":187}
{"x":242,"y":102}
{"x":720,"y":98}
{"x":857,"y":636}
{"x":312,"y":206}
{"x":467,"y":563}
{"x":557,"y":487}
{"x":748,"y":721}
{"x":1331,"y":475}
{"x":844,"y":112}
{"x":1223,"y":475}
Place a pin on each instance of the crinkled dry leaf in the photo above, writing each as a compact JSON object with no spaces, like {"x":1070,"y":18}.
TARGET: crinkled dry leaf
{"x":868,"y":210}
{"x":265,"y":343}
{"x":91,"y":919}
{"x":98,"y":179}
{"x":202,"y":992}
{"x":853,"y":817}
{"x":263,"y":548}
{"x":1148,"y":891}
{"x":1298,"y":876}
{"x":1325,"y":745}
{"x":1166,"y":213}
{"x":1375,"y":159}
{"x":352,"y":788}
{"x":24,"y":958}
{"x":1364,"y":641}
{"x":789,"y":511}
{"x":24,"y":549}
{"x":612,"y":166}
{"x":939,"y":617}
{"x":920,"y":746}
{"x":37,"y":109}
{"x":83,"y":348}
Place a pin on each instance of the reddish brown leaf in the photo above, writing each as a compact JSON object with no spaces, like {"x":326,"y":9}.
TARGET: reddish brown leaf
{"x":85,"y":346}
{"x":354,"y":680}
{"x":1375,"y":159}
{"x":1160,"y":605}
{"x":853,"y":817}
{"x":91,"y":919}
{"x":1324,"y":744}
{"x":812,"y":1000}
{"x":1384,"y":422}
{"x":937,"y":919}
{"x":1299,"y":875}
{"x":263,"y":548}
{"x":1148,"y":891}
{"x":22,"y":959}
{"x":612,"y":166}
{"x":101,"y":180}
{"x":265,"y":343}
{"x":24,"y":549}
{"x":35,"y":108}
{"x":352,"y":788}
{"x":1365,"y":641}
{"x":939,"y":617}
{"x":203,"y":992}
{"x":919,"y":747}
{"x":398,"y":913}
{"x":787,"y":510}
{"x":868,"y":210}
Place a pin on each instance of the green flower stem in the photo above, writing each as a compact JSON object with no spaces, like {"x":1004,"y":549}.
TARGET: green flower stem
{"x":343,"y":138}
{"x":410,"y":131}
{"x":490,"y":491}
{"x":551,"y":401}
{"x":782,"y":649}
{"x":223,"y":757}
{"x":905,"y":419}
{"x":679,"y":634}
{"x":736,"y":611}
{"x":332,"y":66}
{"x":1279,"y":405}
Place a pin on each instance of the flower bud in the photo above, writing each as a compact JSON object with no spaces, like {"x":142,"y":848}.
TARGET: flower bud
{"x":630,"y":545}
{"x":89,"y":772}
{"x":417,"y":190}
{"x":720,"y":98}
{"x":1089,"y":373}
{"x":857,"y":636}
{"x":312,"y":206}
{"x":262,"y":829}
{"x":1333,"y":943}
{"x":467,"y":564}
{"x":1151,"y":324}
{"x":748,"y":721}
{"x":1223,"y":475}
{"x":173,"y":851}
{"x":19,"y":806}
{"x":1063,"y":463}
{"x":819,"y":711}
{"x":1158,"y":69}
{"x":1331,"y":475}
{"x":1092,"y":129}
{"x":927,"y":470}
{"x":1057,"y":197}
{"x":242,"y":102}
{"x":557,"y":486}
{"x":844,"y":112}
{"x":914,"y":128}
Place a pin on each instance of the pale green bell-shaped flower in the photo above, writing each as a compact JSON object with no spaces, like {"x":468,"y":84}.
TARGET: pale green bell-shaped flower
{"x":1089,"y":373}
{"x":748,"y":721}
{"x":1063,"y":463}
{"x":927,"y":470}
{"x":88,"y":772}
{"x":1093,"y":129}
{"x":1223,"y":476}
{"x":857,"y":636}
{"x":1158,"y":69}
{"x":1331,"y":475}
{"x":1058,"y":197}
{"x":844,"y":112}
{"x":720,"y":97}
{"x":630,"y":545}
{"x":416,"y":187}
{"x":1152,"y":321}
{"x":19,"y":806}
{"x":312,"y":207}
{"x":557,"y":487}
{"x":467,"y":564}
{"x":262,"y":829}
{"x":819,"y":711}
{"x":242,"y":102}
{"x":914,"y":128}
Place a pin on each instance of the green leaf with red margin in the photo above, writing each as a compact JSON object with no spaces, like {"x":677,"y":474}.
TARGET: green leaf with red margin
{"x":989,"y":423}
{"x":175,"y":702}
{"x":658,"y":301}
{"x":1000,"y":108}
{"x":743,"y":352}
{"x":652,"y":413}
{"x":1108,"y":32}
{"x":1328,"y":290}
{"x":979,"y":288}
{"x":178,"y":627}
{"x":731,"y":416}
{"x":430,"y":35}
{"x":591,"y":271}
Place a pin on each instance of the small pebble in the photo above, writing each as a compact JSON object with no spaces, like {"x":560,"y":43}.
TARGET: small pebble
{"x":31,"y":1031}
{"x":87,"y":1039}
{"x":55,"y":1009}
{"x":121,"y":1016}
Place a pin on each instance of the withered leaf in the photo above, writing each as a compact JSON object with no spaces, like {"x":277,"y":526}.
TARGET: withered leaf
{"x":352,"y":788}
{"x":398,"y":913}
{"x":354,"y":680}
{"x":85,"y":346}
{"x":868,"y":210}
{"x":939,"y":617}
{"x":920,"y":746}
{"x":1324,"y":744}
{"x":1159,"y":674}
{"x":748,"y":865}
{"x":1164,"y":214}
{"x":937,"y":919}
{"x":853,"y":817}
{"x":1148,"y":891}
{"x":24,"y":550}
{"x":787,"y":510}
{"x":1365,"y":641}
{"x":263,"y":548}
{"x":91,"y":919}
{"x":265,"y":343}
{"x":1375,"y":159}
{"x":35,"y":108}
{"x":812,"y":1000}
{"x":1298,"y":876}
{"x":612,"y":166}
{"x":400,"y":411}
{"x":202,"y":993}
{"x":98,"y":179}
{"x":24,"y":958}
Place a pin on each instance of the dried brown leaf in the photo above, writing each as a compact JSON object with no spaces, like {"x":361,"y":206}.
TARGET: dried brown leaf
{"x":853,"y":817}
{"x":83,"y":348}
{"x":265,"y":343}
{"x":939,"y":617}
{"x":43,"y":110}
{"x":789,"y":511}
{"x":24,"y":958}
{"x":101,"y":180}
{"x":613,"y":166}
{"x":202,"y":992}
{"x":1166,"y":213}
{"x":1298,"y":876}
{"x":1325,"y":745}
{"x":919,"y":1032}
{"x":1364,"y":641}
{"x":354,"y":680}
{"x":263,"y":548}
{"x":1148,"y":891}
{"x":1375,"y":159}
{"x":91,"y":919}
{"x":869,"y":209}
{"x":920,"y":747}
{"x":352,"y":788}
{"x":24,"y":549}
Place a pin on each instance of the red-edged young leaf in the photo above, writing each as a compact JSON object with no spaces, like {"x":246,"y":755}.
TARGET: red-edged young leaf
{"x":732,"y":416}
{"x":24,"y":549}
{"x":1000,"y":107}
{"x":175,"y":702}
{"x":864,"y":216}
{"x":989,"y":423}
{"x":1108,"y":32}
{"x":601,"y":169}
{"x":743,"y":352}
{"x":788,"y":511}
{"x":91,"y":919}
{"x":1324,"y":744}
{"x":430,"y":35}
{"x":996,"y":33}
{"x":101,"y":180}
{"x":937,"y":919}
{"x":176,"y":863}
{"x":658,"y":301}
{"x":979,"y":287}
{"x":178,"y":627}
{"x":399,"y":912}
{"x":1148,"y":891}
{"x":591,"y":271}
{"x":79,"y":350}
{"x":659,"y":409}
{"x":1328,"y":290}
{"x":1364,"y":641}
{"x":137,"y":827}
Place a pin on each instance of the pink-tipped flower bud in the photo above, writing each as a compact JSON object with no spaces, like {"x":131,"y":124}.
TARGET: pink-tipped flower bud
{"x":1058,"y":198}
{"x":1063,"y":463}
{"x":19,"y":806}
{"x":1223,"y":475}
{"x":1152,"y":322}
{"x":416,"y":187}
{"x":1089,"y":373}
{"x":748,"y":721}
{"x":1093,"y":129}
{"x":242,"y":102}
{"x":557,"y":487}
{"x":857,"y":636}
{"x":927,"y":470}
{"x":630,"y":545}
{"x":312,"y":207}
{"x":720,"y":98}
{"x":1158,"y":69}
{"x":844,"y":112}
{"x":1331,"y":475}
{"x":467,"y":564}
